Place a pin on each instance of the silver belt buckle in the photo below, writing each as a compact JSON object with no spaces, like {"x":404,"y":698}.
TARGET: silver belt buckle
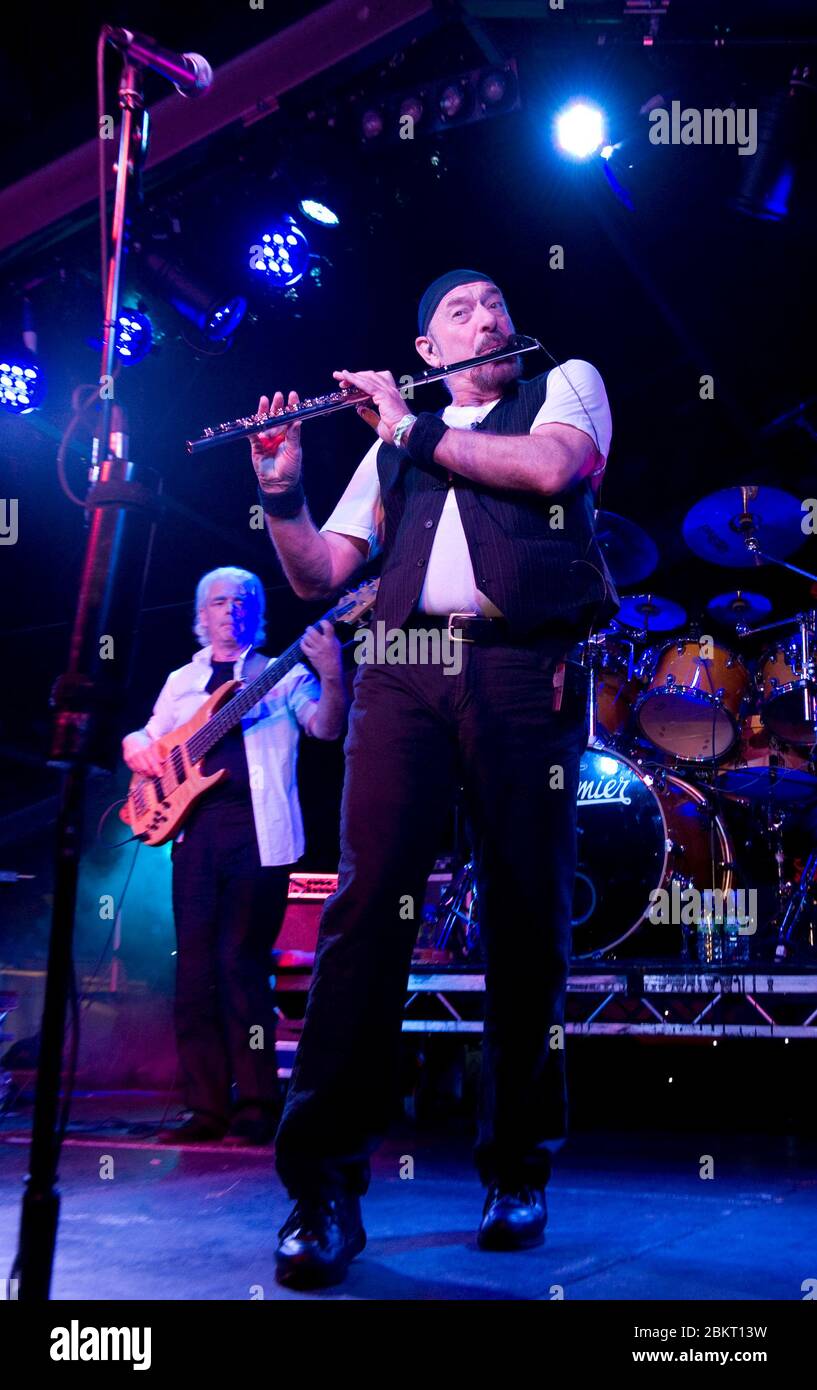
{"x":452,"y":634}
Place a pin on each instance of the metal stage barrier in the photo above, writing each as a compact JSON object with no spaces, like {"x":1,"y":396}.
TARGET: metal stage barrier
{"x":630,"y":998}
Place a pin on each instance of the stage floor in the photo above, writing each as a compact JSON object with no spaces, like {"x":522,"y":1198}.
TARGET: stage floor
{"x":630,"y":1217}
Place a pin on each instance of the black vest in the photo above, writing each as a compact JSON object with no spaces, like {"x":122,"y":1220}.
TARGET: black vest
{"x":535,"y":557}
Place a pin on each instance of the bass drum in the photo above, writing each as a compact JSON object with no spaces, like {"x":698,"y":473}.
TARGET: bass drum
{"x":636,"y":833}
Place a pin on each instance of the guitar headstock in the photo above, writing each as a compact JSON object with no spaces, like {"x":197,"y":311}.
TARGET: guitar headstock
{"x":355,"y":603}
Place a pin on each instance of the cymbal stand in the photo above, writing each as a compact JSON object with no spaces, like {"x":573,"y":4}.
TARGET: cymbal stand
{"x":794,"y":908}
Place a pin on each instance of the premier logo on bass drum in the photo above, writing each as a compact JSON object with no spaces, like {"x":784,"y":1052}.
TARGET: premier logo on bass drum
{"x":605,"y":791}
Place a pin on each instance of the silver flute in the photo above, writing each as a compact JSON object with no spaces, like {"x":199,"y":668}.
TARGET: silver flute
{"x":314,"y":406}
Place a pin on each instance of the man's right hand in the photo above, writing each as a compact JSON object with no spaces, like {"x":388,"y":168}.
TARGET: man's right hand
{"x":142,"y":756}
{"x":276,"y":453}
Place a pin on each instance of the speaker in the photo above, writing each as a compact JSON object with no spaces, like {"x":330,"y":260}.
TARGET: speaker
{"x":307,"y":895}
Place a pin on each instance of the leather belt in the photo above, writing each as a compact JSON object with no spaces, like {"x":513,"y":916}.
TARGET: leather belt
{"x":491,"y":632}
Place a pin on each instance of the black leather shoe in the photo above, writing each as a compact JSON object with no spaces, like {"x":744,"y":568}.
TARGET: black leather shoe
{"x":514,"y":1218}
{"x":197,"y":1130}
{"x":318,"y":1241}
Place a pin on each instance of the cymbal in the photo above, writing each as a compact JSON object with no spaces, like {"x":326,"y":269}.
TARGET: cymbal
{"x":717,"y":527}
{"x":650,"y":613}
{"x":630,"y":553}
{"x":779,"y":787}
{"x":739,"y":606}
{"x":762,"y":769}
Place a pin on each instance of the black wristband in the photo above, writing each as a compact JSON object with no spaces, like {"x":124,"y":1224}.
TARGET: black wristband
{"x":282,"y":504}
{"x":423,"y":437}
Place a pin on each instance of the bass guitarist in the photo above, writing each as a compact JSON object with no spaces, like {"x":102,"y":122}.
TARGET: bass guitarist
{"x":232,"y":860}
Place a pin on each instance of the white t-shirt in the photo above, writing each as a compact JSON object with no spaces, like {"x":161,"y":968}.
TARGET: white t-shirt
{"x":575,"y":396}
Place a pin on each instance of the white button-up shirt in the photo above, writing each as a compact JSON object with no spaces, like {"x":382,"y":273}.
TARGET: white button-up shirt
{"x":270,"y":732}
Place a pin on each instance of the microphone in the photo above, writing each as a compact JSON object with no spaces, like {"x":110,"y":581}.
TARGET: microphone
{"x":189,"y":72}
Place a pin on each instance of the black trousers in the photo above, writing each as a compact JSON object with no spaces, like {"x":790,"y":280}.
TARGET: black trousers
{"x":415,"y":732}
{"x":228,"y":911}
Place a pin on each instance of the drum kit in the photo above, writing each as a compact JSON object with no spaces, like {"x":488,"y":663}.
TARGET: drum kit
{"x":701,"y":760}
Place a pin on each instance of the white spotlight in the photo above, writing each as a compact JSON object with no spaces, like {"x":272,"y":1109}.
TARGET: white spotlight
{"x":580,"y":130}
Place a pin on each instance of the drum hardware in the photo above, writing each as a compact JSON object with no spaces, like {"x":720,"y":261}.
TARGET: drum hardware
{"x":456,"y":918}
{"x":762,"y":558}
{"x":793,"y":911}
{"x":655,"y":776}
{"x":789,"y":706}
{"x":775,"y":821}
{"x":609,"y":659}
{"x":795,"y":418}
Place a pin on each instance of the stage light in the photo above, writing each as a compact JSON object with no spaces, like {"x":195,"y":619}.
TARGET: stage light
{"x":371,"y":124}
{"x":134,"y":335}
{"x":492,"y":88}
{"x":215,"y":315}
{"x":778,"y":181}
{"x":442,"y":102}
{"x":282,"y":255}
{"x":318,"y":212}
{"x":454,"y":100}
{"x":580,"y":130}
{"x":498,"y":89}
{"x":22,"y":383}
{"x":225,"y":318}
{"x":412,"y":106}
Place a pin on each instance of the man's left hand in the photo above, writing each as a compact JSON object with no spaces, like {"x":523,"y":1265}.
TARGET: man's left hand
{"x":384,"y":392}
{"x":324,"y":651}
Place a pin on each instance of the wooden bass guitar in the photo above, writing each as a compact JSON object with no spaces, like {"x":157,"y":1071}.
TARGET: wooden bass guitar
{"x":157,"y":807}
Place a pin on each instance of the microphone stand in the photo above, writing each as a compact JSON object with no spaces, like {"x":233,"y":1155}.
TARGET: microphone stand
{"x":122,"y":506}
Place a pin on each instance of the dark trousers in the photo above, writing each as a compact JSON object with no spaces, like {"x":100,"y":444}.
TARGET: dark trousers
{"x":228,"y":911}
{"x":414,"y":733}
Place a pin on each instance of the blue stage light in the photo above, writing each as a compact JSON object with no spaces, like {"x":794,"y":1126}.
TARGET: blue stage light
{"x":134,"y":335}
{"x":580,"y":130}
{"x":214,"y":313}
{"x":22,"y":383}
{"x":318,"y":212}
{"x":225,"y":318}
{"x":282,"y":255}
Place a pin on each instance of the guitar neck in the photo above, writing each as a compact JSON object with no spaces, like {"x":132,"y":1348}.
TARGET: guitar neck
{"x":242,"y":702}
{"x":348,"y":609}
